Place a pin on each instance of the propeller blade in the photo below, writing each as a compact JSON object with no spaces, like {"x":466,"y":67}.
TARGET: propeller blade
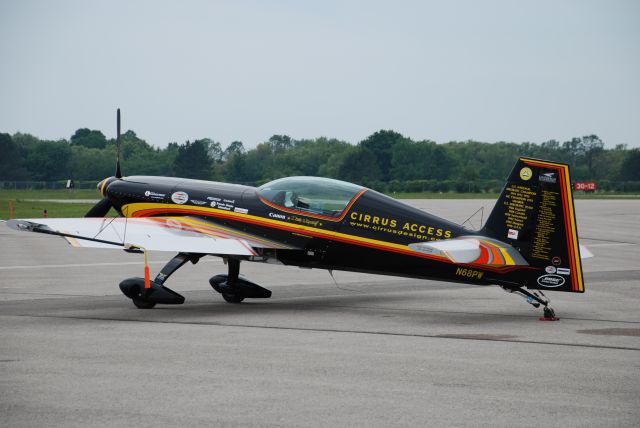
{"x":100,"y":209}
{"x":118,"y":169}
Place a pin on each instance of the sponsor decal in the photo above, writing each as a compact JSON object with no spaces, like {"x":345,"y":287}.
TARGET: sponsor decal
{"x":305,"y":221}
{"x":547,"y":177}
{"x":526,"y":173}
{"x":469,"y":273}
{"x":179,"y":197}
{"x":564,"y":271}
{"x":221,"y":204}
{"x":550,"y":269}
{"x":278,"y":216}
{"x":512,"y":234}
{"x":556,"y":261}
{"x":241,"y":210}
{"x":551,"y":281}
{"x":197,"y":202}
{"x":154,"y":195}
{"x":397,"y":227}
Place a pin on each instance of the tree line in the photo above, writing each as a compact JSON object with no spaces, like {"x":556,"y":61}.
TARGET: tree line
{"x":386,"y":160}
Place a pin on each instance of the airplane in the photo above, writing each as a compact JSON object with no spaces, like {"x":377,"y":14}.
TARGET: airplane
{"x":528,"y":245}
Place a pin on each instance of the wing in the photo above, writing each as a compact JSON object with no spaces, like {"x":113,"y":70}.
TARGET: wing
{"x":175,"y":234}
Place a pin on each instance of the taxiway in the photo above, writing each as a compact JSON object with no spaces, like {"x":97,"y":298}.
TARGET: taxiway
{"x":367,"y":351}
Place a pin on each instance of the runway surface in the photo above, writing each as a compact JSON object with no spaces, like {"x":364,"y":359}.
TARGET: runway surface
{"x":369,"y":351}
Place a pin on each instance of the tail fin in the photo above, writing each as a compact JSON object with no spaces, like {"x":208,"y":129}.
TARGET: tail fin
{"x":535,"y":214}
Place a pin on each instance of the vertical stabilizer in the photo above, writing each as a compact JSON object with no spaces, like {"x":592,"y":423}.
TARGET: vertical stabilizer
{"x":535,"y":214}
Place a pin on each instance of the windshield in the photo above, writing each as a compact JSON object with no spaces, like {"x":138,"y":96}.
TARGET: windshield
{"x":316,"y":195}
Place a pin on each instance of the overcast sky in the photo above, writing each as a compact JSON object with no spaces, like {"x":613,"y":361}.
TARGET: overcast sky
{"x":484,"y":70}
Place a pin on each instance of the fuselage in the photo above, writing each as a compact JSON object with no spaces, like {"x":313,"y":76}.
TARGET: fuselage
{"x":324,"y":223}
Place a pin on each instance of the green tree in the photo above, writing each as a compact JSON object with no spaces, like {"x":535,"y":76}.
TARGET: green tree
{"x":11,"y":160}
{"x":380,"y":145}
{"x":234,"y":169}
{"x":359,"y":166}
{"x":49,"y":160}
{"x":593,"y":147}
{"x":280,"y":143}
{"x":233,"y":148}
{"x":213,"y":148}
{"x":88,"y":138}
{"x":631,"y":166}
{"x":192,"y":161}
{"x":91,"y":164}
{"x":420,"y":160}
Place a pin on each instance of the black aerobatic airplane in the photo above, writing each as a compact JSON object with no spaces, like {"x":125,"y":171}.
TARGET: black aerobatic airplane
{"x":528,"y":244}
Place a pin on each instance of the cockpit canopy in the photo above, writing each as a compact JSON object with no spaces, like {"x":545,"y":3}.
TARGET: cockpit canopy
{"x":316,"y":195}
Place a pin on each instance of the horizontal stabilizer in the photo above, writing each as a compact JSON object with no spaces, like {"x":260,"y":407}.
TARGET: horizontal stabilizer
{"x":152,"y":233}
{"x":585,"y":253}
{"x":478,"y":250}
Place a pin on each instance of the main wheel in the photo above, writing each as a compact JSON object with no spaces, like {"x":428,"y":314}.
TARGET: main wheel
{"x":232,"y":298}
{"x":143,"y":304}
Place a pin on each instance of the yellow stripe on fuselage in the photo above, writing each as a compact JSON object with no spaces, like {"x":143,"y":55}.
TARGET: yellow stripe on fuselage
{"x":508,"y":260}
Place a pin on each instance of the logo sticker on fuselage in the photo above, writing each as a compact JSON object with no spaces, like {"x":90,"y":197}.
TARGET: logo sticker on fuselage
{"x":548,"y":177}
{"x":551,"y":281}
{"x":154,"y":195}
{"x":180,"y":198}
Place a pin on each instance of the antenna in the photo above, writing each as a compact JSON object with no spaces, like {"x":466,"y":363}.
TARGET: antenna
{"x":118,"y":170}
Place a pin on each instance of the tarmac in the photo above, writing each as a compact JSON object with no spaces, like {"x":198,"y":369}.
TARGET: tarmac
{"x":364,"y":350}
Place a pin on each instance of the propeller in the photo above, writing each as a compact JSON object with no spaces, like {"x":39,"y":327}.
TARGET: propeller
{"x":118,"y":170}
{"x":104,"y":205}
{"x":100,"y":209}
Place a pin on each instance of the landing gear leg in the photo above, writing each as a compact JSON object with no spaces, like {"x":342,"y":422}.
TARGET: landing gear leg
{"x":235,"y":289}
{"x":536,"y":298}
{"x":147,"y":298}
{"x":232,"y":280}
{"x":174,"y":264}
